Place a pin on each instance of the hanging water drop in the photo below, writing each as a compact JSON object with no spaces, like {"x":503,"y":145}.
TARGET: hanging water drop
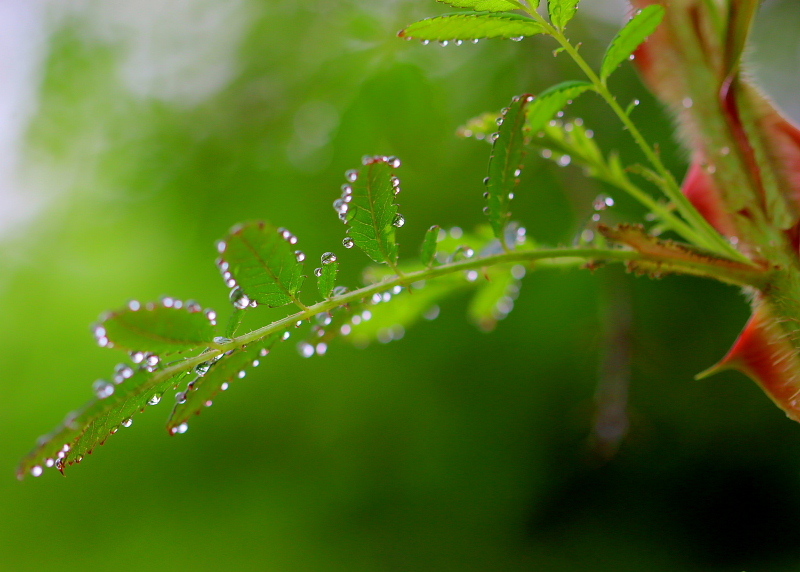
{"x":134,"y":305}
{"x":398,"y":220}
{"x":458,"y":42}
{"x":564,"y":160}
{"x":122,"y":371}
{"x":155,"y":399}
{"x":182,"y":428}
{"x":180,"y":397}
{"x":516,"y":38}
{"x":305,"y":349}
{"x":471,"y":275}
{"x":36,"y":471}
{"x":494,"y":137}
{"x":103,"y":388}
{"x":212,"y":317}
{"x":328,"y":258}
{"x":127,"y":422}
{"x":351,"y":175}
{"x":299,"y":255}
{"x":137,"y":357}
{"x":239,"y":299}
{"x":443,"y":43}
{"x":202,"y":368}
{"x":285,"y":335}
{"x":318,"y":272}
{"x":224,"y":386}
{"x":393,"y":161}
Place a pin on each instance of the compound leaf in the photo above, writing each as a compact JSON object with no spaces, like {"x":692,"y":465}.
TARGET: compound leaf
{"x":630,"y":37}
{"x":472,"y":26}
{"x":561,"y":11}
{"x":553,"y":100}
{"x":161,"y":327}
{"x":371,"y":212}
{"x":505,"y":163}
{"x":82,"y":431}
{"x":263,"y":262}
{"x":487,"y":5}
{"x":213,"y":377}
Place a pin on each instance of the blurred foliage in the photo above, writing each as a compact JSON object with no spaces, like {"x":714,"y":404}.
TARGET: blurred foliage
{"x":470,"y":451}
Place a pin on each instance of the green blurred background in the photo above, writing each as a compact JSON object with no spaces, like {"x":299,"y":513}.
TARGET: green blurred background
{"x":134,"y":133}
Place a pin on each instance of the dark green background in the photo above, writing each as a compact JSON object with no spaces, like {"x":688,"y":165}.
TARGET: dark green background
{"x":451,"y":449}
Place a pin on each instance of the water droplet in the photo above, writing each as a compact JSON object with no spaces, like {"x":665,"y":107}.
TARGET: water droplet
{"x":546,"y":153}
{"x":486,"y":210}
{"x":305,"y":349}
{"x":366,"y":315}
{"x":443,"y":43}
{"x":318,"y":272}
{"x":472,"y":275}
{"x":321,"y":348}
{"x":398,"y":220}
{"x":486,"y":180}
{"x":340,"y":206}
{"x":103,"y":388}
{"x":518,"y":271}
{"x":50,"y":462}
{"x":687,"y":102}
{"x":122,"y":372}
{"x":155,"y":399}
{"x":560,"y":114}
{"x":220,"y":340}
{"x":134,"y":305}
{"x":564,"y":160}
{"x":351,"y":175}
{"x":180,"y":397}
{"x":152,"y":360}
{"x":202,"y":368}
{"x":36,"y":471}
{"x":517,"y":172}
{"x":632,"y":57}
{"x":212,"y":317}
{"x":347,"y":242}
{"x":394,"y":162}
{"x":239,"y":299}
{"x":285,"y":336}
{"x":127,"y":422}
{"x":499,"y":121}
{"x":510,"y":196}
{"x":193,"y":307}
{"x":137,"y":357}
{"x":425,"y":42}
{"x":494,"y":137}
{"x":182,"y":428}
{"x":340,"y":291}
{"x":516,"y":38}
{"x":299,"y":255}
{"x":346,"y":329}
{"x":221,"y":246}
{"x":241,"y":374}
{"x":456,"y":232}
{"x":347,"y":190}
{"x":167,"y":302}
{"x":458,"y":42}
{"x":386,"y":296}
{"x":475,"y":41}
{"x":224,"y":386}
{"x":725,"y":151}
{"x":602,"y":202}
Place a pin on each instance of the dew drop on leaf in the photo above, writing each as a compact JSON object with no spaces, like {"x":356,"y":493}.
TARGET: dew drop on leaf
{"x":347,"y":242}
{"x":224,"y":386}
{"x":155,"y":399}
{"x":299,"y":255}
{"x":398,"y":220}
{"x":328,"y":258}
{"x":351,"y":175}
{"x":36,"y":471}
{"x":180,"y":397}
{"x":222,"y":340}
{"x":318,"y":272}
{"x":239,"y":299}
{"x":127,"y":422}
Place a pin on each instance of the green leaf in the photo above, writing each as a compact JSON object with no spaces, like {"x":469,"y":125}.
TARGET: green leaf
{"x":487,"y":5}
{"x":495,"y":297}
{"x":428,"y":254}
{"x":83,"y":430}
{"x":472,"y":26}
{"x":163,"y":327}
{"x":326,"y":274}
{"x":630,"y":37}
{"x":371,"y":212}
{"x":263,"y":262}
{"x":505,"y":163}
{"x":553,"y":100}
{"x":216,"y":377}
{"x":561,"y":11}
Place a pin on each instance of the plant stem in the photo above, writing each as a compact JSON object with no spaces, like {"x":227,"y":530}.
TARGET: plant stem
{"x":702,"y":233}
